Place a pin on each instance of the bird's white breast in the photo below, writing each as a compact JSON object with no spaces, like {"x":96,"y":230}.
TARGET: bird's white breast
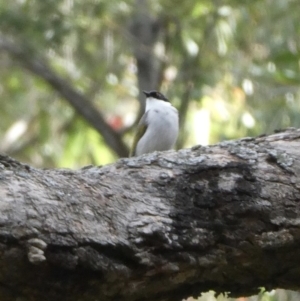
{"x":162,"y":130}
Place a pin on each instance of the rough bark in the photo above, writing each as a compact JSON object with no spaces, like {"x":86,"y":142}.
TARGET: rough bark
{"x":161,"y":226}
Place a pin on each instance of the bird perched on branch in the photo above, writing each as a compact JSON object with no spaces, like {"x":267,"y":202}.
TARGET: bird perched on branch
{"x":158,"y":127}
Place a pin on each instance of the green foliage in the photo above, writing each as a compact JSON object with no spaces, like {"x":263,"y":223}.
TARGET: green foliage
{"x":235,"y":63}
{"x":275,"y":295}
{"x":238,"y":62}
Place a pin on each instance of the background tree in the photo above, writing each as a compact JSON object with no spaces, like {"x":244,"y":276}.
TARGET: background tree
{"x":231,"y":67}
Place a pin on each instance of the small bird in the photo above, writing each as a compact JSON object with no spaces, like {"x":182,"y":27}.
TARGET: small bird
{"x":158,"y":127}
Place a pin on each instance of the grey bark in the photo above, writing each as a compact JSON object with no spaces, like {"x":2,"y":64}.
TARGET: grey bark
{"x":161,"y":226}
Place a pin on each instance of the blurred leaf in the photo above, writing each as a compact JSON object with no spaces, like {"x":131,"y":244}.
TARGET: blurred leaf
{"x":238,"y":62}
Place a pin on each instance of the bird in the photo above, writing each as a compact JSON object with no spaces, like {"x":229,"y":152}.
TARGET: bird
{"x":158,"y":128}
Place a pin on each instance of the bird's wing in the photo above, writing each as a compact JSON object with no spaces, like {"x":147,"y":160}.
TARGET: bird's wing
{"x":141,"y":129}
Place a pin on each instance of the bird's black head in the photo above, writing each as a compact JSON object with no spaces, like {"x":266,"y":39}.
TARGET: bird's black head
{"x":155,"y":94}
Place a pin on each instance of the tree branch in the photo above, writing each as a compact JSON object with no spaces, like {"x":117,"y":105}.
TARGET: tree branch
{"x":161,"y":226}
{"x":78,"y":101}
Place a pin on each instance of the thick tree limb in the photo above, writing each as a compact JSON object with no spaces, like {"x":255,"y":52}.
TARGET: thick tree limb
{"x":158,"y":227}
{"x":78,"y":101}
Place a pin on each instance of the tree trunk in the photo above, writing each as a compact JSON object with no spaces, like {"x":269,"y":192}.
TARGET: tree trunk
{"x":161,"y":226}
{"x":145,"y":31}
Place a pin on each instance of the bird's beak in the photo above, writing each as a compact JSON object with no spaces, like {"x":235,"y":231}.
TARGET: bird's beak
{"x":146,"y":93}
